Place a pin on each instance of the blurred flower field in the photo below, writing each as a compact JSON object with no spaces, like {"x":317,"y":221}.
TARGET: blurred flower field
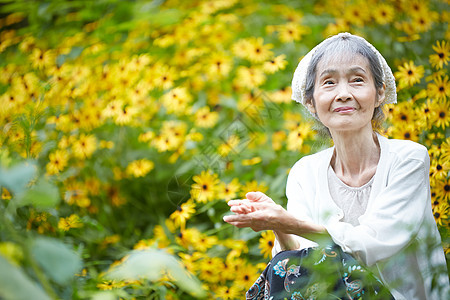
{"x":126,"y":126}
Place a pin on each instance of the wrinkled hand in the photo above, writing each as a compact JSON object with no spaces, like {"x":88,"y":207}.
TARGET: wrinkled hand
{"x":257,"y":211}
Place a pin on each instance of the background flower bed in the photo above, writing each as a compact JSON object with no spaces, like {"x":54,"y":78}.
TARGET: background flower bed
{"x":129,"y":125}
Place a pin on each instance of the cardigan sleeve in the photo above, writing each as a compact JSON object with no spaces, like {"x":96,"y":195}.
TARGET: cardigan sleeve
{"x":394,"y":218}
{"x":294,"y":193}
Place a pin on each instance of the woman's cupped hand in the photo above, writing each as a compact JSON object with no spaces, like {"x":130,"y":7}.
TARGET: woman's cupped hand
{"x":257,"y":211}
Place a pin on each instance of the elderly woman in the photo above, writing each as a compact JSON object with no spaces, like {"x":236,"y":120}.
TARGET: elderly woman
{"x":368,"y":196}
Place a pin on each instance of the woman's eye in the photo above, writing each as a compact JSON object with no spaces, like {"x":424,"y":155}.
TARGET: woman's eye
{"x":328,"y":82}
{"x":358,"y":79}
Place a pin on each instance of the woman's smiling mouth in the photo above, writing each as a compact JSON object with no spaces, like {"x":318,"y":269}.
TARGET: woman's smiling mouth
{"x":344,"y":109}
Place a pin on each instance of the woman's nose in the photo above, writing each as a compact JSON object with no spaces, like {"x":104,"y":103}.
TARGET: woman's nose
{"x":343,"y":93}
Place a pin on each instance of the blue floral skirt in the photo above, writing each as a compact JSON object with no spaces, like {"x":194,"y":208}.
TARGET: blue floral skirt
{"x":326,"y":273}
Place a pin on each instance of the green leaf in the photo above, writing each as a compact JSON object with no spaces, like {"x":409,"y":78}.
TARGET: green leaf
{"x":42,"y":195}
{"x":58,"y":261}
{"x":15,"y":284}
{"x":152,"y":265}
{"x":16,"y":178}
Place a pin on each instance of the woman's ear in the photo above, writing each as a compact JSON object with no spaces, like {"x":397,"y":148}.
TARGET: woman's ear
{"x":310,"y":106}
{"x":381,"y":95}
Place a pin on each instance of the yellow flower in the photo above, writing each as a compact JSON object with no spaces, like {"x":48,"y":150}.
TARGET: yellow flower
{"x":73,"y":221}
{"x":442,"y":56}
{"x":205,"y":118}
{"x":258,"y":52}
{"x":297,"y":136}
{"x":440,"y":89}
{"x":404,"y":132}
{"x":219,"y":65}
{"x":441,"y":114}
{"x":126,"y":115}
{"x":291,"y":31}
{"x":442,"y":189}
{"x":423,"y":22}
{"x":249,"y":77}
{"x":84,"y":146}
{"x":440,"y":213}
{"x":228,"y":191}
{"x":106,"y":285}
{"x":230,"y":145}
{"x":266,"y":243}
{"x":177,"y":101}
{"x":409,"y":74}
{"x":383,"y":13}
{"x":246,"y":275}
{"x":6,"y":195}
{"x":58,"y":161}
{"x":355,"y":15}
{"x":227,"y":292}
{"x":41,"y":59}
{"x":172,"y":136}
{"x":183,"y":213}
{"x":275,"y":64}
{"x":205,"y":242}
{"x":204,"y":188}
{"x":278,"y":138}
{"x":439,"y":169}
{"x":254,"y":186}
{"x":139,"y":168}
{"x":252,"y":161}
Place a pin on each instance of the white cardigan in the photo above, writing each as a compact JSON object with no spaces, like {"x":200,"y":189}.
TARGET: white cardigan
{"x":397,"y":234}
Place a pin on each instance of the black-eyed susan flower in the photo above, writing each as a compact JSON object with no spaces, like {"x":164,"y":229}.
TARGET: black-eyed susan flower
{"x":72,"y":221}
{"x":246,"y":275}
{"x":230,"y":145}
{"x":423,"y":22}
{"x":140,"y":167}
{"x":442,"y":189}
{"x":251,"y":161}
{"x":57,"y":161}
{"x":440,"y":88}
{"x":440,"y":213}
{"x":84,"y":146}
{"x":253,"y":186}
{"x":278,"y":139}
{"x":6,"y":195}
{"x":228,"y":191}
{"x":205,"y":118}
{"x":205,"y":242}
{"x":442,"y":113}
{"x":249,"y":77}
{"x":266,"y":243}
{"x":439,"y":168}
{"x":442,"y":55}
{"x":297,"y":136}
{"x":383,"y":13}
{"x":257,"y":51}
{"x":107,"y":285}
{"x":227,"y":292}
{"x":177,"y":101}
{"x":219,"y":65}
{"x":409,"y":74}
{"x":42,"y":59}
{"x":355,"y":15}
{"x":273,"y":65}
{"x":183,"y":213}
{"x":204,"y":188}
{"x":291,"y":31}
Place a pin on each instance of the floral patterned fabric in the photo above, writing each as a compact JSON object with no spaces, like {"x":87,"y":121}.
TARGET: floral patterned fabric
{"x":326,"y":273}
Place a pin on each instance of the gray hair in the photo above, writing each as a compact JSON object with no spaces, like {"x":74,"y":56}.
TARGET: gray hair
{"x":350,"y":45}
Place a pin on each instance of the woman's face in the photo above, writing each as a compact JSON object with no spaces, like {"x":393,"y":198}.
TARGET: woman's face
{"x":344,"y":93}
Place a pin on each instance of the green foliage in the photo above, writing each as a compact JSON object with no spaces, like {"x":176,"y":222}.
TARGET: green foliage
{"x":16,"y":285}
